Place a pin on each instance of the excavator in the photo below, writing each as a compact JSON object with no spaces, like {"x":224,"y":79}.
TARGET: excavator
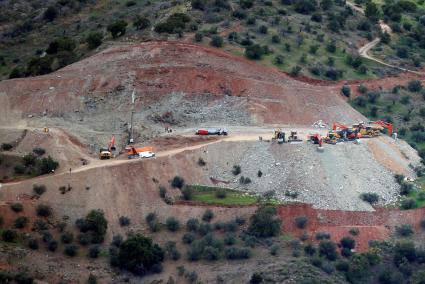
{"x":373,"y":128}
{"x":105,"y":154}
{"x":293,"y":138}
{"x":384,"y":124}
{"x":341,"y":132}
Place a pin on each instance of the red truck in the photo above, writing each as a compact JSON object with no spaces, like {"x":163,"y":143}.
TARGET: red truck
{"x":211,"y":131}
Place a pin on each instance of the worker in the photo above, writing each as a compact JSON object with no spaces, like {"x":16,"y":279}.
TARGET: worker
{"x":70,"y":170}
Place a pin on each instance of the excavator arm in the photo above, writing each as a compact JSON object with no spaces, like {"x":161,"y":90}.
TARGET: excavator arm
{"x":386,"y":125}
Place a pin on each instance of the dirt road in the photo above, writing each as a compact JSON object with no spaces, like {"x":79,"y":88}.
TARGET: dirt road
{"x":364,"y":50}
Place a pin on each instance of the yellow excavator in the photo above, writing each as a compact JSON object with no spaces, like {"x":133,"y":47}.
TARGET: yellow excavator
{"x":105,"y":154}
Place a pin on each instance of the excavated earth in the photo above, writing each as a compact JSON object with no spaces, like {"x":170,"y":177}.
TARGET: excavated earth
{"x":184,"y":86}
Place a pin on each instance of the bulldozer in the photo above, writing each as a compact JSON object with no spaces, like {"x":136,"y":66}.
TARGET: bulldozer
{"x":293,"y":138}
{"x":106,"y":153}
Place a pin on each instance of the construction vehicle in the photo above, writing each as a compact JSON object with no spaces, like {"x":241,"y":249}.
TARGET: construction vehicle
{"x":315,"y":138}
{"x":143,"y":152}
{"x":211,"y":131}
{"x":344,"y":132}
{"x":384,"y":124}
{"x":293,"y":138}
{"x":105,"y":154}
{"x":279,"y":135}
{"x":368,"y":130}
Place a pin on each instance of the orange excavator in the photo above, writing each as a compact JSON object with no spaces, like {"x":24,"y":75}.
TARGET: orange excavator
{"x":384,"y":124}
{"x":105,"y":154}
{"x":143,"y":152}
{"x":345,"y":132}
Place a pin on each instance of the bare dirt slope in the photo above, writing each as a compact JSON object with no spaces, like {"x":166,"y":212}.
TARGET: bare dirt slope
{"x":194,"y":83}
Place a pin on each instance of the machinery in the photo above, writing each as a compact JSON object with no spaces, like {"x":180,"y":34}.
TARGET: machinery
{"x":105,"y":154}
{"x":384,"y":124}
{"x":315,"y":138}
{"x":143,"y":152}
{"x":211,"y":131}
{"x":293,"y":138}
{"x":279,"y":135}
{"x":368,"y":130}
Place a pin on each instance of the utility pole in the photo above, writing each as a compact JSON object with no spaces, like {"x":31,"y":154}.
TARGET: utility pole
{"x":133,"y":98}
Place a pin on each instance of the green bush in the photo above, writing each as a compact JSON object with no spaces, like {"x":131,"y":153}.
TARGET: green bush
{"x":323,"y":236}
{"x":408,"y":203}
{"x":192,"y":225}
{"x":40,"y":225}
{"x":6,"y":146}
{"x":309,"y":249}
{"x":94,"y":39}
{"x":50,"y":14}
{"x":39,"y":189}
{"x":9,"y":236}
{"x":274,"y":250}
{"x":187,"y":193}
{"x":199,"y":36}
{"x":220,"y":193}
{"x":43,"y":210}
{"x":204,"y":229}
{"x":328,"y":250}
{"x":67,"y":237}
{"x":19,"y":169}
{"x":404,"y":230}
{"x":141,"y":23}
{"x":346,"y":91}
{"x":301,"y":222}
{"x":94,"y":251}
{"x":233,"y":253}
{"x":52,"y":245}
{"x":256,"y":278}
{"x":177,"y":182}
{"x":138,"y":254}
{"x":124,"y":221}
{"x":84,"y":239}
{"x":263,"y":223}
{"x":47,"y":165}
{"x":39,"y":151}
{"x":21,"y":222}
{"x":347,"y":242}
{"x":33,"y":244}
{"x":188,"y":238}
{"x":71,"y":250}
{"x":216,"y":41}
{"x":254,"y":51}
{"x":236,"y":170}
{"x":117,"y":28}
{"x":369,"y":197}
{"x":96,"y":225}
{"x":174,"y":23}
{"x":208,"y":215}
{"x":16,"y":207}
{"x":172,"y":224}
{"x":414,"y":86}
{"x":63,"y":44}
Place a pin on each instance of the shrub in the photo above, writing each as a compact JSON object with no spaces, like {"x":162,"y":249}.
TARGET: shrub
{"x":211,"y":253}
{"x":255,"y":51}
{"x":406,"y":188}
{"x":256,"y":278}
{"x":67,"y":237}
{"x":138,"y":254}
{"x":362,"y":89}
{"x":96,"y":224}
{"x":39,"y":151}
{"x":6,"y":146}
{"x":84,"y":239}
{"x":19,"y":169}
{"x":296,"y":70}
{"x":274,"y":250}
{"x":39,"y":189}
{"x":40,"y":225}
{"x":21,"y":222}
{"x":174,"y":24}
{"x":204,"y":229}
{"x":354,"y":231}
{"x":404,"y":249}
{"x":399,"y":178}
{"x":263,"y":223}
{"x":404,"y":230}
{"x":414,"y":86}
{"x":29,"y":160}
{"x":43,"y":210}
{"x":177,"y":182}
{"x":9,"y":236}
{"x":187,"y":193}
{"x":47,"y":165}
{"x":33,"y":244}
{"x":301,"y":222}
{"x":94,"y":251}
{"x":92,"y":279}
{"x":220,"y":193}
{"x":244,"y":180}
{"x":216,"y":41}
{"x":117,"y":240}
{"x":94,"y":39}
{"x":346,"y":91}
{"x":46,"y":237}
{"x":347,"y":242}
{"x":208,"y":215}
{"x":233,"y":253}
{"x":408,"y":203}
{"x":141,"y":23}
{"x":229,"y":239}
{"x":117,"y":28}
{"x":328,"y":250}
{"x":192,"y":225}
{"x":172,"y":224}
{"x":369,"y":197}
{"x":50,"y":13}
{"x":188,"y":238}
{"x":342,"y":265}
{"x":162,"y":191}
{"x":240,"y":221}
{"x":323,"y":236}
{"x":309,"y":249}
{"x":124,"y":221}
{"x":71,"y":250}
{"x":201,"y":162}
{"x":236,"y":170}
{"x":16,"y":207}
{"x":52,"y":245}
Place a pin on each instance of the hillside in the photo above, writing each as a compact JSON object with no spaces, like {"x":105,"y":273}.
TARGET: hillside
{"x":317,"y":39}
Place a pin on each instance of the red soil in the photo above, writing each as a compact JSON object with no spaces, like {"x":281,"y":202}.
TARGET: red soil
{"x":377,"y":225}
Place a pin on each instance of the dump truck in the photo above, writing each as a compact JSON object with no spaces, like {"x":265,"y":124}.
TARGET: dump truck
{"x":211,"y":131}
{"x":106,"y":153}
{"x":143,"y":152}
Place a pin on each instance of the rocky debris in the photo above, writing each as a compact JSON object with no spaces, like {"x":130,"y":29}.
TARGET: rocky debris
{"x":333,"y":179}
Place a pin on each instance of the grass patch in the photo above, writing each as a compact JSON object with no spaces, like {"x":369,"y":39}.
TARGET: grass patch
{"x":207,"y":195}
{"x":420,"y":182}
